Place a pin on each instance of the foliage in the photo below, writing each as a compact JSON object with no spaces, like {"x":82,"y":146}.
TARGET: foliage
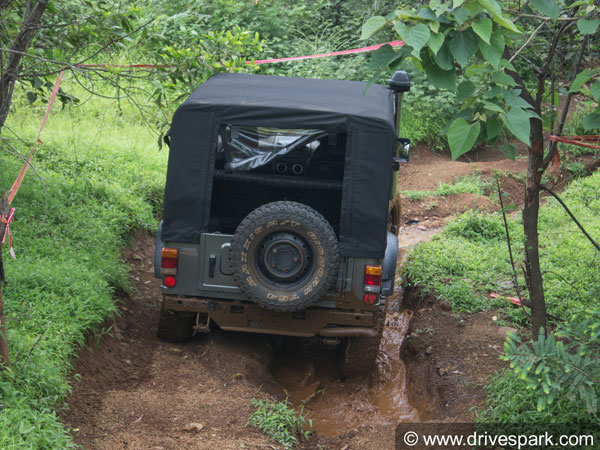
{"x":553,"y":380}
{"x":481,"y":39}
{"x":278,"y":420}
{"x":183,"y":66}
{"x":566,"y":363}
{"x":101,"y":184}
{"x":71,"y":32}
{"x":508,"y":402}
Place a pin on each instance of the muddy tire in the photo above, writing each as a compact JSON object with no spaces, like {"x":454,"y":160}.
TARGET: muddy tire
{"x":360,"y":352}
{"x":174,"y":326}
{"x":284,"y":256}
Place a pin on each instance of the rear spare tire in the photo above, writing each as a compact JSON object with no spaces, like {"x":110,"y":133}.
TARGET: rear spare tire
{"x":284,"y":256}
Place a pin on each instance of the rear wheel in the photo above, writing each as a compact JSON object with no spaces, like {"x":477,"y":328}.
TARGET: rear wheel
{"x":360,"y":352}
{"x":395,"y":216}
{"x":175,"y":326}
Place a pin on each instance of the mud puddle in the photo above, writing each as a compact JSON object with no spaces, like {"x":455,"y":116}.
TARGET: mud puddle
{"x":309,"y":374}
{"x":310,"y":378}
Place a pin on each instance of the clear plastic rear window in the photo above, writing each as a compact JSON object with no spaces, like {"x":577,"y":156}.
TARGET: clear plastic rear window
{"x":246,"y":148}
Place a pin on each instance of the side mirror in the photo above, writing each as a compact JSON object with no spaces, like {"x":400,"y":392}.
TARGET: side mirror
{"x":401,"y":152}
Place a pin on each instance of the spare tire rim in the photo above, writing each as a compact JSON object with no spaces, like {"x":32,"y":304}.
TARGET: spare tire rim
{"x":284,"y":257}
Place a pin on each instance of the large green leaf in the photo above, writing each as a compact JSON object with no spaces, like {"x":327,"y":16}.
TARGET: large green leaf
{"x":417,"y":37}
{"x":443,"y":79}
{"x":493,"y":51}
{"x":443,"y":58}
{"x":581,"y":78}
{"x":438,"y":7}
{"x":465,"y":90}
{"x":503,"y":78}
{"x":483,"y":28}
{"x":401,"y":29}
{"x":461,"y":15}
{"x":513,"y":98}
{"x":435,"y":42}
{"x":371,"y":26}
{"x":588,"y":26}
{"x":591,"y":121}
{"x":464,"y":45}
{"x":493,"y":127}
{"x":381,"y":57}
{"x":492,"y":7}
{"x":491,"y":106}
{"x":548,"y":7}
{"x":595,"y":90}
{"x":517,"y":122}
{"x":462,"y":136}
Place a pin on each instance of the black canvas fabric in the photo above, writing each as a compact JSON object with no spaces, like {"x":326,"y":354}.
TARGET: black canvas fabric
{"x":281,"y":102}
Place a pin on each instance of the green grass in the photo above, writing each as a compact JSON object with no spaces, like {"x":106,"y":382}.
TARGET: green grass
{"x":279,"y":420}
{"x":470,"y":184}
{"x":103,"y":178}
{"x":469,"y":259}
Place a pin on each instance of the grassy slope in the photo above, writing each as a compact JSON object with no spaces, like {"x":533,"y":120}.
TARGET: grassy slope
{"x":103,"y":174}
{"x":470,"y":259}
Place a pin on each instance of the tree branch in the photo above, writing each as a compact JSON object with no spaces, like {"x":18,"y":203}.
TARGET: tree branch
{"x":565,"y":108}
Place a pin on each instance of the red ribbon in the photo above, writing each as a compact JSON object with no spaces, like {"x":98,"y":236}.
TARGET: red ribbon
{"x":581,"y":141}
{"x":323,"y":55}
{"x":7,"y":220}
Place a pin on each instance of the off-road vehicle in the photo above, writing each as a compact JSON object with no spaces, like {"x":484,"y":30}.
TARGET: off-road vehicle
{"x":280,"y":214}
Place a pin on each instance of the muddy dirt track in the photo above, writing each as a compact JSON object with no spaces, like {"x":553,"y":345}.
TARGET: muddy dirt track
{"x":137,"y":392}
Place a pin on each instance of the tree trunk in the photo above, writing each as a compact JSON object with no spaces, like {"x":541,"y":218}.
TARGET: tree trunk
{"x":4,"y":357}
{"x":10,"y":73}
{"x":530,"y":227}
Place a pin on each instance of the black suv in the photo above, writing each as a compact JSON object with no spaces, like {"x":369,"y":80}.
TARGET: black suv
{"x":280,"y":214}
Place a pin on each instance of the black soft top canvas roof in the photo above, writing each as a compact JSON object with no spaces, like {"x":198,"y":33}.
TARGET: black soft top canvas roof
{"x":280,"y":102}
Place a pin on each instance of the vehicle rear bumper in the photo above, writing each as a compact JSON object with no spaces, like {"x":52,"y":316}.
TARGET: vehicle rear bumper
{"x":249,"y":317}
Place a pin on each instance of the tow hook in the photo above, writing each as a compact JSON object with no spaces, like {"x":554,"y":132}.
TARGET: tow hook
{"x":202,"y":323}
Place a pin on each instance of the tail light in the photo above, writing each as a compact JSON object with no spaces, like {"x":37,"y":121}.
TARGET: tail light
{"x":169,"y":282}
{"x":169,"y":260}
{"x":372,"y":278}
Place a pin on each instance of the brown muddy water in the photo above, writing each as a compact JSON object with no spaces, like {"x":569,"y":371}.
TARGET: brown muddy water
{"x":309,"y":373}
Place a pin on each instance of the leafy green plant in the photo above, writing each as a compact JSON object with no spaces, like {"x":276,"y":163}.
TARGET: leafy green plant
{"x":279,"y":420}
{"x":566,"y":363}
{"x":480,"y":39}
